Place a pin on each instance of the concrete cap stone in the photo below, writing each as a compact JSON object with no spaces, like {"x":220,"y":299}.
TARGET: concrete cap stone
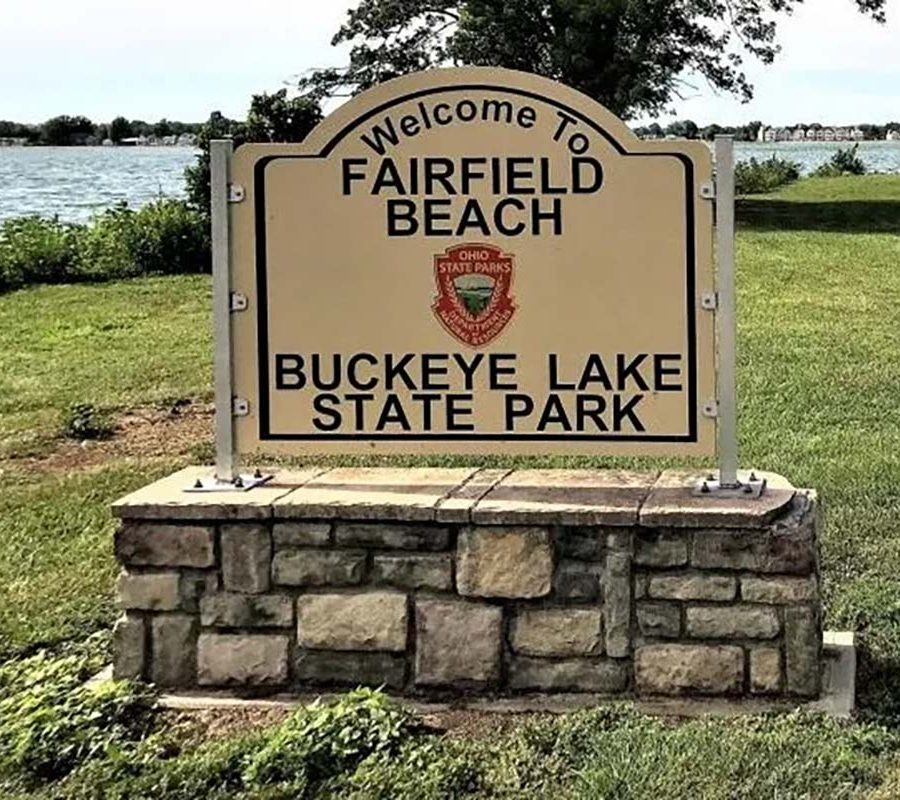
{"x":373,"y":493}
{"x":167,"y":498}
{"x":564,"y":497}
{"x":673,"y":504}
{"x":458,"y":505}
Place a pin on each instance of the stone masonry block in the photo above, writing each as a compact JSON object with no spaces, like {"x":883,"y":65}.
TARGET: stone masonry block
{"x":173,"y":650}
{"x":617,"y":604}
{"x":357,"y":621}
{"x":457,"y":642}
{"x":433,"y":572}
{"x":655,"y":548}
{"x":153,"y":591}
{"x":802,"y":649}
{"x":692,"y":587}
{"x":659,"y":620}
{"x":242,"y":659}
{"x":324,"y":667}
{"x":301,"y":534}
{"x":756,"y":551}
{"x":515,"y":562}
{"x":778,"y":590}
{"x":319,"y":567}
{"x":583,"y":544}
{"x":129,"y":648}
{"x":161,"y":544}
{"x":392,"y":536}
{"x":572,"y":674}
{"x":234,"y":610}
{"x":246,"y":558}
{"x":558,"y":632}
{"x":577,"y":582}
{"x":765,"y":670}
{"x":732,"y":622}
{"x":196,"y":584}
{"x":677,"y":669}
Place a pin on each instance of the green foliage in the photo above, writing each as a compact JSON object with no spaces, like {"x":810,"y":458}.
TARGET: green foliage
{"x":761,"y":177}
{"x":843,"y":162}
{"x":323,"y":740}
{"x":272,"y":118}
{"x":119,"y":128}
{"x":37,"y":250}
{"x":628,"y":55}
{"x":83,"y":421}
{"x":163,"y":237}
{"x":51,"y":721}
{"x":66,"y":130}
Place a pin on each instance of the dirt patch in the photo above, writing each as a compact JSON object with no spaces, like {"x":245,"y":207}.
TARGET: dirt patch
{"x":201,"y":725}
{"x":150,"y":432}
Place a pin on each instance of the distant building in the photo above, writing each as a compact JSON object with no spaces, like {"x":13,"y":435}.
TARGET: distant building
{"x":892,"y":136}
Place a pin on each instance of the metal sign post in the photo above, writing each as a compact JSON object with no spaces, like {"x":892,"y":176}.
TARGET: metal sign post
{"x":728,"y":482}
{"x":227,"y":476}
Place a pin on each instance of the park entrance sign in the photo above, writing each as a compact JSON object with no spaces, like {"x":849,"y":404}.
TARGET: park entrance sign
{"x":472,"y":261}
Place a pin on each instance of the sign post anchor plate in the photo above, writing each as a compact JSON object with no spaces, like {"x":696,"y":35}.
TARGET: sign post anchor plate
{"x":751,"y":487}
{"x":241,"y":483}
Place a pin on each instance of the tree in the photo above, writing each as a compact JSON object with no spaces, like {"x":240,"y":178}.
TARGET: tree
{"x":683,"y":129}
{"x":272,"y":118}
{"x":630,"y":55}
{"x":162,"y":128}
{"x":66,"y":130}
{"x":119,"y":128}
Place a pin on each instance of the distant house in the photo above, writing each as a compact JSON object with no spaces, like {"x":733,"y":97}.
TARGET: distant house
{"x":892,"y":136}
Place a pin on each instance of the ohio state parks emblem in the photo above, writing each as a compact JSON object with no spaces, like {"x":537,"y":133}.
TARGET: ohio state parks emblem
{"x":473,"y":302}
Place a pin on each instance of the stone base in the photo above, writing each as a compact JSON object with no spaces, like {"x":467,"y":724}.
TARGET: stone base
{"x":466,"y":583}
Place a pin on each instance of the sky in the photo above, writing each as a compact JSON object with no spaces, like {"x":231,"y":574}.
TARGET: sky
{"x":181,"y":60}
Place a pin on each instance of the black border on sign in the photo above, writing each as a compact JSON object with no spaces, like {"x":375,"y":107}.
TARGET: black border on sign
{"x":262,"y":319}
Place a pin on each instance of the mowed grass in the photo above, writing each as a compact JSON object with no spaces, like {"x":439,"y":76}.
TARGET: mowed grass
{"x":819,"y":374}
{"x":114,"y":345}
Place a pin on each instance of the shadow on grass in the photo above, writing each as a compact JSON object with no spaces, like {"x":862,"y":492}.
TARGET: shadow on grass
{"x":847,"y":216}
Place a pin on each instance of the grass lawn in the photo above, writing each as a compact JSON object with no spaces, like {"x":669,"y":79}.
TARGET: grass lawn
{"x":819,"y":381}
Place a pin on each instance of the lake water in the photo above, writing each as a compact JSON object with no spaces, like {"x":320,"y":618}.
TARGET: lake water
{"x":76,"y":182}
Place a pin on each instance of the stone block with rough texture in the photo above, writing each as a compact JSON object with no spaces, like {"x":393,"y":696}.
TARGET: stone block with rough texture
{"x":583,"y":544}
{"x":577,"y":581}
{"x":572,"y":674}
{"x":778,"y":590}
{"x":392,"y":536}
{"x":162,"y":544}
{"x":659,"y":620}
{"x":433,"y":572}
{"x":457,"y":642}
{"x":195,"y":585}
{"x":617,"y":604}
{"x":323,"y":668}
{"x":246,"y":558}
{"x":660,"y":549}
{"x":374,"y":620}
{"x":802,"y":651}
{"x":319,"y":567}
{"x":234,"y":610}
{"x":173,"y":650}
{"x":512,"y":562}
{"x":679,"y":669}
{"x":242,"y":659}
{"x":765,"y":670}
{"x":756,"y":551}
{"x":692,"y":587}
{"x":152,"y":591}
{"x":558,"y":632}
{"x":732,"y":622}
{"x":301,"y":534}
{"x":129,"y":648}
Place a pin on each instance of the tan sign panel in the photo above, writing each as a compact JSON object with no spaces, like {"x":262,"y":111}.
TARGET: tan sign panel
{"x":473,"y":261}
